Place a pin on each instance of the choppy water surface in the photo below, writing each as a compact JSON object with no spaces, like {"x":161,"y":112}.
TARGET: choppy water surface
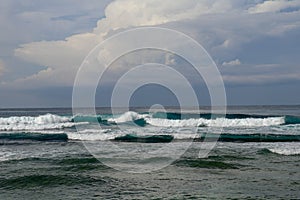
{"x":43,"y":155}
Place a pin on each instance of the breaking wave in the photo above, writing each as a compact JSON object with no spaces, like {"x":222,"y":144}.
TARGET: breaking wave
{"x":51,"y":121}
{"x":219,"y":122}
{"x":44,"y":127}
{"x":292,"y":149}
{"x":194,"y":120}
{"x":42,"y":122}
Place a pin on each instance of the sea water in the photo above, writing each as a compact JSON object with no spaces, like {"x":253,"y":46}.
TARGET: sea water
{"x":44,"y":154}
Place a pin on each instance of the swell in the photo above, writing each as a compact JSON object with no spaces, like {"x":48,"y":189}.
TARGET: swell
{"x":145,"y":139}
{"x":250,"y":137}
{"x":211,"y":137}
{"x":224,"y":137}
{"x":34,"y":136}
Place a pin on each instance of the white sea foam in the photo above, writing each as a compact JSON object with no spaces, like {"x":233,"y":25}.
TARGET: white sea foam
{"x":286,"y":149}
{"x":42,"y":119}
{"x":127,"y":117}
{"x":286,"y":152}
{"x":26,"y":127}
{"x":95,"y":134}
{"x":219,"y":122}
{"x":42,"y":122}
{"x":90,"y":136}
{"x":50,"y":122}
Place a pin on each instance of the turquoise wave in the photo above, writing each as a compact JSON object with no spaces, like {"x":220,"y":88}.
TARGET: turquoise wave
{"x":292,"y":120}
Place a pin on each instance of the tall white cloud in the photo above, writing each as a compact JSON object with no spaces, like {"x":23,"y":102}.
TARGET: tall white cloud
{"x":65,"y":56}
{"x":127,"y":13}
{"x":223,"y":25}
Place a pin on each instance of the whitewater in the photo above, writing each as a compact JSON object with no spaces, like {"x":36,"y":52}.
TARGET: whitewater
{"x":180,"y":126}
{"x":50,"y":121}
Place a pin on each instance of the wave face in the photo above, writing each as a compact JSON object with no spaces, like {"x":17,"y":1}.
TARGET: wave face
{"x":292,"y":120}
{"x":237,"y":127}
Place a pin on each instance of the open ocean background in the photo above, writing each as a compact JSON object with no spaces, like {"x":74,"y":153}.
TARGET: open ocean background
{"x":42,"y":155}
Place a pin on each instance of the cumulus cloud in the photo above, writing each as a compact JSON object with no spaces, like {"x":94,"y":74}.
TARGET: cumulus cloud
{"x":63,"y":57}
{"x":66,"y":55}
{"x":235,"y":62}
{"x":221,"y":25}
{"x":123,"y":14}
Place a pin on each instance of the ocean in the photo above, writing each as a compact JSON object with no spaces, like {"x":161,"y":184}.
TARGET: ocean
{"x":251,"y":153}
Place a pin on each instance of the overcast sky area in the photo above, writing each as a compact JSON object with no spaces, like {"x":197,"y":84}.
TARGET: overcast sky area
{"x":254,"y":43}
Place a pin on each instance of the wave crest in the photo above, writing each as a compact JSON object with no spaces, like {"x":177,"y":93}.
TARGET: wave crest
{"x":128,"y":117}
{"x":219,"y":122}
{"x":286,"y":150}
{"x":42,"y":122}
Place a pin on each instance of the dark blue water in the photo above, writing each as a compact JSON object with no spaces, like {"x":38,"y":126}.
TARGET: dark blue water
{"x":44,"y":156}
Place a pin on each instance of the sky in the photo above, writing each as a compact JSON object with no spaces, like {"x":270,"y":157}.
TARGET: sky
{"x":254,"y":43}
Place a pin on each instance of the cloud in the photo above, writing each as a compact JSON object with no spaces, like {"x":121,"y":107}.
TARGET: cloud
{"x":224,"y":27}
{"x":31,"y":21}
{"x":232,"y":63}
{"x":60,"y":18}
{"x":261,"y":74}
{"x":65,"y":56}
{"x":261,"y":79}
{"x":275,"y":6}
{"x":123,"y":14}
